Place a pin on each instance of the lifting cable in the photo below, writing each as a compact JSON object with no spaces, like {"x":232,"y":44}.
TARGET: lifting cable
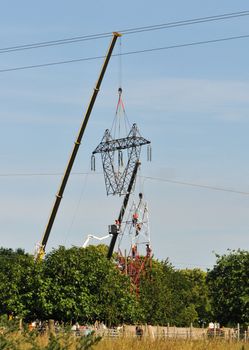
{"x":76,"y":210}
{"x":120,"y":113}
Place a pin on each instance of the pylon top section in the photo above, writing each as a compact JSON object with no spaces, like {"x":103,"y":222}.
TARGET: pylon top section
{"x":120,"y":151}
{"x":133,"y":140}
{"x":119,"y":157}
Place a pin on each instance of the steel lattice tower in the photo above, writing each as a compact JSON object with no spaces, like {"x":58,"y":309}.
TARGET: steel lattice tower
{"x":117,"y":181}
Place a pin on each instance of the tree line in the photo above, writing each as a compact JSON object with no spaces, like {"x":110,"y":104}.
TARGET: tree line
{"x":81,"y":284}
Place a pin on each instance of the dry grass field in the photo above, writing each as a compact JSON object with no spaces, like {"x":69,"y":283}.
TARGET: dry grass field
{"x":146,"y":344}
{"x":67,"y":341}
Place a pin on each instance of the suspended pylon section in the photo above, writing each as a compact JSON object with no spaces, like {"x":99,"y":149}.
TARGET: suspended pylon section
{"x":117,"y":166}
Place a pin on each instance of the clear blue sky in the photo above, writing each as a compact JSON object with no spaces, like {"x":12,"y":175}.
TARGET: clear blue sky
{"x":191,"y":102}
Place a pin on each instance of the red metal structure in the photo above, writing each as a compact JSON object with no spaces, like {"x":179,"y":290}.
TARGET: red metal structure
{"x":135,"y":266}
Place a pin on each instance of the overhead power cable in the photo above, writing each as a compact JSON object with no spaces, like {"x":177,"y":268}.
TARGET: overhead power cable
{"x":135,"y":30}
{"x":184,"y":183}
{"x":187,"y":22}
{"x":195,"y":43}
{"x":186,"y":266}
{"x":209,"y":187}
{"x":13,"y":256}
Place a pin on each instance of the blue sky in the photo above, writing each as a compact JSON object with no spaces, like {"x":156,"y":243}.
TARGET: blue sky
{"x":191,"y":102}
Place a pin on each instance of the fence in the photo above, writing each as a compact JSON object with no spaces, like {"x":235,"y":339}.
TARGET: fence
{"x":168,"y":332}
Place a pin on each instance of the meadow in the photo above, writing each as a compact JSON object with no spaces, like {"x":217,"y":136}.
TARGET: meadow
{"x":67,"y":341}
{"x":146,"y":344}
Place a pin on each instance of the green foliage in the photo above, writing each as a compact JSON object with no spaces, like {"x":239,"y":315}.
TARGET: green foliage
{"x":229,"y":288}
{"x":85,"y":286}
{"x":82,"y":285}
{"x":16,"y":276}
{"x":198,"y":296}
{"x":156,"y":294}
{"x":179,"y":297}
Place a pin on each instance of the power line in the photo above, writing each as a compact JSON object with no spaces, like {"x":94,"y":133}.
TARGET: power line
{"x":195,"y":43}
{"x":15,"y":256}
{"x":188,"y":22}
{"x":209,"y":187}
{"x":40,"y":174}
{"x":184,"y":183}
{"x":189,"y":265}
{"x":135,"y":30}
{"x":55,"y":42}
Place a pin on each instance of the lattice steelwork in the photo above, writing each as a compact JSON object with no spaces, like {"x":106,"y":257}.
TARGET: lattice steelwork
{"x":118,"y":176}
{"x":138,"y":261}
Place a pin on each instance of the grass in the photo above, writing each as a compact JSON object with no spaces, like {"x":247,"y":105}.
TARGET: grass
{"x":32,"y":341}
{"x":146,"y":344}
{"x":16,"y":340}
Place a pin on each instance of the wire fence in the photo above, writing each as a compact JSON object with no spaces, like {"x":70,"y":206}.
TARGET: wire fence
{"x":181,"y":333}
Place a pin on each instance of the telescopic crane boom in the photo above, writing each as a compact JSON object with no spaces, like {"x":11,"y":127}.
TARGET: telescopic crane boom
{"x":59,"y":195}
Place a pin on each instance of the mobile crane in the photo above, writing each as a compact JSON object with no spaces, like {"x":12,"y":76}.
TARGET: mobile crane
{"x":42,"y":245}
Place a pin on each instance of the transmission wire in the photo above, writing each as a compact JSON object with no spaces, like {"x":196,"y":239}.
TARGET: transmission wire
{"x":184,"y":183}
{"x":190,"y":44}
{"x":125,"y":31}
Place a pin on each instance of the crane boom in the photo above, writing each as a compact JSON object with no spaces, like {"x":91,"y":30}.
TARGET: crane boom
{"x":65,"y":177}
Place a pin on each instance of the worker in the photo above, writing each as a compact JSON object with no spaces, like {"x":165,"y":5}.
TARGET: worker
{"x":134,"y":218}
{"x":117,"y":222}
{"x":138,"y":228}
{"x":148,"y":251}
{"x":134,"y":251}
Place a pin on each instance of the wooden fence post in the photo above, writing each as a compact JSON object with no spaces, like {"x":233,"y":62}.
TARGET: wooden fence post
{"x":157,"y":332}
{"x":51,"y":328}
{"x":163,"y":334}
{"x":191,"y":330}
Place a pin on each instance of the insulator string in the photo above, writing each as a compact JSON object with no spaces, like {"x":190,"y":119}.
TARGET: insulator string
{"x":93,"y":163}
{"x":149,"y":153}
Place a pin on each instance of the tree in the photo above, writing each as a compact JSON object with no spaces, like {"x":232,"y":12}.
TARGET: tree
{"x":166,"y":296}
{"x":228,"y":284}
{"x":156,"y":294}
{"x":183,"y":309}
{"x":86,"y":286}
{"x":16,"y":274}
{"x":198,"y":295}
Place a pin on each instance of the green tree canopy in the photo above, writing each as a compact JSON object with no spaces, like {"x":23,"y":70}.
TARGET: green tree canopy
{"x":198,"y":295}
{"x":86,"y":286}
{"x":16,"y":287}
{"x":228,"y":284}
{"x":173,"y":296}
{"x":82,"y":284}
